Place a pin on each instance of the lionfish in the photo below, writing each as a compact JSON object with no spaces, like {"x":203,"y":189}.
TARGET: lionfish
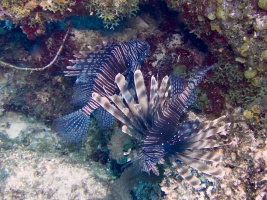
{"x":94,"y":70}
{"x":155,"y":124}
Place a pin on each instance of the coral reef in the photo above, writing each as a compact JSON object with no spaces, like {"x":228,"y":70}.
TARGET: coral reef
{"x":112,"y":11}
{"x":236,"y":33}
{"x":25,"y":92}
{"x":230,"y":33}
{"x":32,"y":15}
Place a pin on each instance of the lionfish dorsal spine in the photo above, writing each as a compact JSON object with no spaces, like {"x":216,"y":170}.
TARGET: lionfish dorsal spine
{"x":153,"y":91}
{"x":105,"y":103}
{"x":121,"y":83}
{"x":196,"y":78}
{"x":119,"y":103}
{"x":153,"y":98}
{"x":122,"y":113}
{"x":141,"y":93}
{"x":121,"y":106}
{"x":181,"y":101}
{"x":163,"y":89}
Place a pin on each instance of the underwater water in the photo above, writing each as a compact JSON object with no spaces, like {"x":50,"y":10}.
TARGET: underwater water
{"x":191,"y":124}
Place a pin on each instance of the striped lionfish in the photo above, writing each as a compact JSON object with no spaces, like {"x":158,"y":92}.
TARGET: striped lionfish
{"x":93,"y":71}
{"x":154,"y":123}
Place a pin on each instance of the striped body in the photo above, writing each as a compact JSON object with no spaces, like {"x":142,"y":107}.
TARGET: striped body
{"x":96,"y":73}
{"x":154,"y":121}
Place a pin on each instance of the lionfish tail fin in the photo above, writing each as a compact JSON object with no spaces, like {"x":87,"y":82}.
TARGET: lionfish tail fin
{"x":104,"y":119}
{"x":72,"y":127}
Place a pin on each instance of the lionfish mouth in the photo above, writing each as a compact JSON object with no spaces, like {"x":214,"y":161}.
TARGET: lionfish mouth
{"x":154,"y":122}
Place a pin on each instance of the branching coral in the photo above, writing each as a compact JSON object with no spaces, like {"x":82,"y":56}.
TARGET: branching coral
{"x":112,"y":11}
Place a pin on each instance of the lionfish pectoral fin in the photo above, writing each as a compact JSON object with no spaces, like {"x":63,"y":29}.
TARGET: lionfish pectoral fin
{"x":141,"y":92}
{"x":203,"y":144}
{"x":72,"y":127}
{"x":201,"y":166}
{"x":212,"y":156}
{"x":186,"y":174}
{"x":163,"y":88}
{"x":213,"y":123}
{"x":203,"y":134}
